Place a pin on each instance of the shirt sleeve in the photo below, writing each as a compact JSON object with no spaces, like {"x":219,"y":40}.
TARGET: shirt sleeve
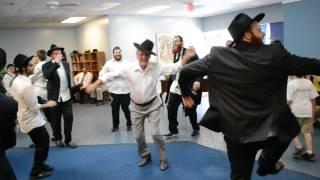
{"x":109,"y":76}
{"x":31,"y":99}
{"x":290,"y":91}
{"x":313,"y":92}
{"x":6,"y":82}
{"x":170,"y":68}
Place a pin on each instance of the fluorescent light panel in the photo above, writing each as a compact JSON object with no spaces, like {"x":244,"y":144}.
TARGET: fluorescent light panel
{"x":73,"y":19}
{"x":153,"y":9}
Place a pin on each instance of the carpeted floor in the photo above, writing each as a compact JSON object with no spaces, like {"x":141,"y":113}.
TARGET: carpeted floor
{"x":187,"y":161}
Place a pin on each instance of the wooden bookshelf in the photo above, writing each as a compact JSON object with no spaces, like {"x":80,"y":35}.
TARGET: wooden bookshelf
{"x":93,"y":62}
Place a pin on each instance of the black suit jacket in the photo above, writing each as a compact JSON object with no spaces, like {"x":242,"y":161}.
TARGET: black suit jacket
{"x":247,"y":86}
{"x":53,"y":85}
{"x":8,"y":112}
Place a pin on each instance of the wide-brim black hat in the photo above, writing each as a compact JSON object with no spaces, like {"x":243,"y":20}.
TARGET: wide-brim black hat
{"x":54,"y":47}
{"x":240,"y":24}
{"x":3,"y":58}
{"x":145,"y":47}
{"x":21,"y":60}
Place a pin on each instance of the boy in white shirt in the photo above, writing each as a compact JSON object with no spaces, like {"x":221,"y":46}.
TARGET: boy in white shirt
{"x":301,"y":98}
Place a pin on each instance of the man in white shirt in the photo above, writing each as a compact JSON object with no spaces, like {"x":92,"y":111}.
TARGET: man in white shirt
{"x":57,"y":71}
{"x":81,"y":79}
{"x":30,"y":119}
{"x":118,"y":89}
{"x":142,"y":77}
{"x":8,"y":77}
{"x":301,"y":97}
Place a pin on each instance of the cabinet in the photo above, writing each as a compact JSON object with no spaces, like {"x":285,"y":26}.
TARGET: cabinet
{"x":93,"y":62}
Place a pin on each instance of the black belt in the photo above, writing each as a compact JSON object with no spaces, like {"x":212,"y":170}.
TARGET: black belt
{"x":145,"y":104}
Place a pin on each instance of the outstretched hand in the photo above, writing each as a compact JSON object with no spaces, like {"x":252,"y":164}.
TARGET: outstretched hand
{"x":190,"y":52}
{"x":187,"y":102}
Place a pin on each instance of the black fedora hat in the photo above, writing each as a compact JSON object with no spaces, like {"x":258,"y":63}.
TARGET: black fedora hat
{"x":146,"y":47}
{"x":3,"y":58}
{"x":54,"y":47}
{"x":240,"y":25}
{"x":21,"y":60}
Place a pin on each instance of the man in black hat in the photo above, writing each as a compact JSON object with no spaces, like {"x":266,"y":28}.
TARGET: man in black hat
{"x":142,"y":77}
{"x":247,"y":96}
{"x":8,"y":111}
{"x":57,"y":71}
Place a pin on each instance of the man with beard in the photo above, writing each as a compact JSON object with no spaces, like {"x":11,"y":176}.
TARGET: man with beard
{"x":247,"y":96}
{"x":175,"y":93}
{"x":118,"y":89}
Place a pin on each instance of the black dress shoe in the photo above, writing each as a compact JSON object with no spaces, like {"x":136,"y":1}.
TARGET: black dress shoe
{"x":164,"y":165}
{"x":47,"y":168}
{"x":59,"y":143}
{"x":195,"y":133}
{"x":114,"y":129}
{"x":263,"y":171}
{"x":39,"y":175}
{"x":171,"y":134}
{"x":129,"y":128}
{"x":71,"y":145}
{"x":145,"y":160}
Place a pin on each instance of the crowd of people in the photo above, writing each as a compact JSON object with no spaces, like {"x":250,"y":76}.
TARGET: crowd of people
{"x":250,"y":98}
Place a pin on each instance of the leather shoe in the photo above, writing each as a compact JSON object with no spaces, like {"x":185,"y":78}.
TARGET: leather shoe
{"x":163,"y":165}
{"x":114,"y":129}
{"x":71,"y":145}
{"x":145,"y":160}
{"x":59,"y":143}
{"x":48,"y":168}
{"x":262,"y":171}
{"x":195,"y":133}
{"x":171,"y":134}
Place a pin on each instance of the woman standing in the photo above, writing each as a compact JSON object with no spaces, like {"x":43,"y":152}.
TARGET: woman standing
{"x":30,"y":119}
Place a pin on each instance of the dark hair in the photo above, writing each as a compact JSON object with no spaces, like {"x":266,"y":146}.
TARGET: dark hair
{"x":115,"y":48}
{"x":42,"y":54}
{"x":10,"y":65}
{"x":178,"y":36}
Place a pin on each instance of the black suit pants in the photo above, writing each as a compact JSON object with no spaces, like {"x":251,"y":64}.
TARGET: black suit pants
{"x":122,"y":100}
{"x":173,"y":104}
{"x":242,"y":156}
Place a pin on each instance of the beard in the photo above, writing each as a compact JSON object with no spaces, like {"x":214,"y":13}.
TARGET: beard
{"x":117,"y":57}
{"x":176,"y":49}
{"x":256,"y":40}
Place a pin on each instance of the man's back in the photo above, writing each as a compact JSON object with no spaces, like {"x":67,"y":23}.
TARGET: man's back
{"x":247,"y":85}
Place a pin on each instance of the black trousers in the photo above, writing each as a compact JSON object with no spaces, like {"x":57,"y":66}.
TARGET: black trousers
{"x":40,"y":138}
{"x":76,"y":89}
{"x":118,"y":100}
{"x":242,"y":156}
{"x":62,"y":109}
{"x":173,"y":104}
{"x":6,"y":171}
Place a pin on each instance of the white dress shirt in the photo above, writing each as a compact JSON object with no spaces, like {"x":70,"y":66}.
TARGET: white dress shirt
{"x":84,"y":78}
{"x":175,"y":88}
{"x":64,"y":93}
{"x":39,"y":82}
{"x":7,"y":80}
{"x":119,"y":85}
{"x":142,"y":83}
{"x":29,"y":115}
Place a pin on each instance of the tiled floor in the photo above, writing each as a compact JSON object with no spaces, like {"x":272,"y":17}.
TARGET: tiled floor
{"x":92,"y":125}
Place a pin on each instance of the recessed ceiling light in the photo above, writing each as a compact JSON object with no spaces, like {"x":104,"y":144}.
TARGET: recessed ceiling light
{"x":73,"y":19}
{"x":153,"y":9}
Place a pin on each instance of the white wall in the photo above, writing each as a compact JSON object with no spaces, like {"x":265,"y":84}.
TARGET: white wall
{"x":94,"y":35}
{"x":274,"y":13}
{"x":125,"y":30}
{"x":28,"y":40}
